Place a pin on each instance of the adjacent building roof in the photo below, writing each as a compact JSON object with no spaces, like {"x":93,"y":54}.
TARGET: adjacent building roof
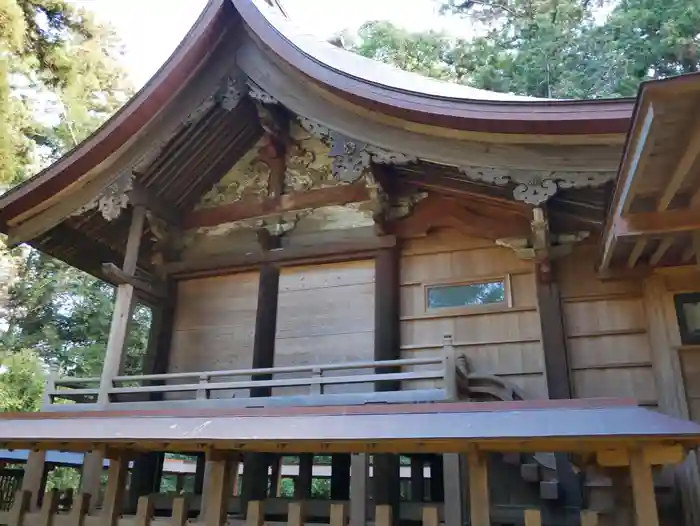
{"x":575,"y":425}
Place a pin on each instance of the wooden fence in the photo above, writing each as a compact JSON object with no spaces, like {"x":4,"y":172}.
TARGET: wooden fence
{"x":78,"y":514}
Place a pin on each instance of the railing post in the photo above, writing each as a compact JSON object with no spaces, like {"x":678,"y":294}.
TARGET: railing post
{"x":316,"y":374}
{"x":449,"y":363}
{"x":50,"y":386}
{"x":256,"y":513}
{"x":144,"y":511}
{"x":202,"y":393}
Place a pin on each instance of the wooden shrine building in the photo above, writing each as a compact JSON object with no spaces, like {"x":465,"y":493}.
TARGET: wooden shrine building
{"x":499,"y":295}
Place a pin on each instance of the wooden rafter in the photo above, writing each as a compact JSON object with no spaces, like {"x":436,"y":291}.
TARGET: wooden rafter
{"x":636,"y":163}
{"x":679,"y":176}
{"x":657,"y":223}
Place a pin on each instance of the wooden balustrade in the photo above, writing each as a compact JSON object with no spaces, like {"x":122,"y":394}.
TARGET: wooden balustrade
{"x":200,"y":385}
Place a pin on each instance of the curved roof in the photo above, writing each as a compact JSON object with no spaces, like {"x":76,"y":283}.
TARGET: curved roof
{"x":383,"y":88}
{"x":381,"y":91}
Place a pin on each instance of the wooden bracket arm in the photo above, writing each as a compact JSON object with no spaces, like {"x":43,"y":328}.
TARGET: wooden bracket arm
{"x":119,"y":277}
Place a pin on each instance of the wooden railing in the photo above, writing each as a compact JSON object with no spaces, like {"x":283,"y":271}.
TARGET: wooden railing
{"x":78,"y":514}
{"x":314,"y":379}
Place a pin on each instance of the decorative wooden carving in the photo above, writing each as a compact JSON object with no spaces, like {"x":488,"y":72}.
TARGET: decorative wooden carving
{"x":535,"y":187}
{"x":351,"y":157}
{"x":113,"y":199}
{"x":227,"y":95}
{"x":257,"y":93}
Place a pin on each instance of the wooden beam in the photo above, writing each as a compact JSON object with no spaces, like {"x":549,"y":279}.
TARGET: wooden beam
{"x":683,"y":168}
{"x":664,"y":245}
{"x":636,"y":253}
{"x":117,"y":276}
{"x":635,"y":160}
{"x":291,"y":255}
{"x":122,"y":308}
{"x":256,"y":208}
{"x":657,"y":223}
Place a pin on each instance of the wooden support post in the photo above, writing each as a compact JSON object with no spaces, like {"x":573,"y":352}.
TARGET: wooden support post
{"x":437,"y":483}
{"x":556,"y":364}
{"x":453,"y":489}
{"x":670,"y":384}
{"x":181,"y":509}
{"x":255,"y":472}
{"x":430,"y":516}
{"x":80,"y":509}
{"x":359,"y":477}
{"x":340,"y":477}
{"x":479,"y":501}
{"x":199,"y":470}
{"x":49,"y":508}
{"x":255,"y":513}
{"x":645,"y":509}
{"x":339,"y":514}
{"x":302,"y":486}
{"x":144,"y":511}
{"x":123,"y":307}
{"x":533,"y":518}
{"x":91,"y":477}
{"x":145,"y":478}
{"x":276,"y":476}
{"x":20,"y":507}
{"x":114,"y":494}
{"x":296,"y":515}
{"x":386,"y":482}
{"x":417,"y":479}
{"x":217,"y":489}
{"x":35,"y":478}
{"x":265,"y":325}
{"x":622,"y":497}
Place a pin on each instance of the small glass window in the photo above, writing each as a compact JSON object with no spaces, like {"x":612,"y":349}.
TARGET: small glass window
{"x":466,"y":294}
{"x":688,"y":314}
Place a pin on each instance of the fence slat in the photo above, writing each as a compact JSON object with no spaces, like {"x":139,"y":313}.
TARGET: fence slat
{"x":144,"y":511}
{"x":81,"y":505}
{"x":49,"y":508}
{"x":19,"y":508}
{"x":181,"y":508}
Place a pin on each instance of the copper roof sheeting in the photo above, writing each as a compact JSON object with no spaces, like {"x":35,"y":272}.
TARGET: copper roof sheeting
{"x":566,"y":424}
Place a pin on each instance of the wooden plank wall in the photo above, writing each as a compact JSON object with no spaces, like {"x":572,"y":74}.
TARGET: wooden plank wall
{"x":606,"y":328}
{"x":215,"y":324}
{"x":505,"y":342}
{"x":326,"y":315}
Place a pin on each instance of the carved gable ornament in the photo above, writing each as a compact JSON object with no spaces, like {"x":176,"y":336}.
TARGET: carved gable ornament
{"x":351,"y":157}
{"x":536,"y":187}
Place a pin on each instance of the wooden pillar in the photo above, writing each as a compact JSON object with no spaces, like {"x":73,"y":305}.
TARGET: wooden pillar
{"x":556,"y":364}
{"x":145,"y":477}
{"x":302,"y":485}
{"x":359,"y":477}
{"x":296,"y":515}
{"x":123,"y":307}
{"x":265,"y":325}
{"x":276,"y":476}
{"x":255,"y":478}
{"x":437,"y":483}
{"x":645,"y":510}
{"x":387,"y":346}
{"x":417,"y":479}
{"x":199,"y":474}
{"x":340,"y":477}
{"x":114,"y":493}
{"x":218,"y":485}
{"x":35,"y":478}
{"x":453,"y":488}
{"x":479,"y":500}
{"x":670,"y":384}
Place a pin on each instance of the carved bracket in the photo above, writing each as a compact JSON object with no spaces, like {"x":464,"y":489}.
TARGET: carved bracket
{"x":113,"y":199}
{"x":255,"y":92}
{"x":535,"y":187}
{"x":351,"y":157}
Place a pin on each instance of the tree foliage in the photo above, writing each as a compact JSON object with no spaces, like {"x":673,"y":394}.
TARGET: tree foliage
{"x":545,"y":48}
{"x":59,"y":79}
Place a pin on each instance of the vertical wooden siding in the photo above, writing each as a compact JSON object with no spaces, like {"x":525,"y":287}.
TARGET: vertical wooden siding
{"x":606,"y":329}
{"x":506,"y":341}
{"x":215,"y":324}
{"x":325,"y":315}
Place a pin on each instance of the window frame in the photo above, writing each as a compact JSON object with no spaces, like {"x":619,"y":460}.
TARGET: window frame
{"x":506,"y":304}
{"x":679,"y":300}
